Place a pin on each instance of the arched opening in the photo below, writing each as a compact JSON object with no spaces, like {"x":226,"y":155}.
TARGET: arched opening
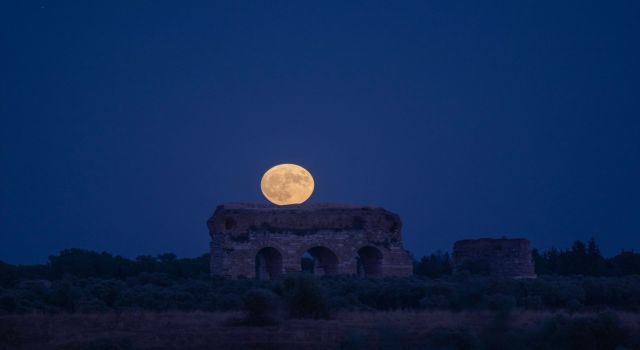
{"x":268,"y":263}
{"x":319,"y":261}
{"x":369,"y":262}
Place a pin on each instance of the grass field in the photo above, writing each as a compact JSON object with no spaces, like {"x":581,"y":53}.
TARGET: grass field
{"x":347,"y":330}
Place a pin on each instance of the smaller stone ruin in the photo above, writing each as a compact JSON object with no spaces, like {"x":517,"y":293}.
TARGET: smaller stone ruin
{"x":501,"y":257}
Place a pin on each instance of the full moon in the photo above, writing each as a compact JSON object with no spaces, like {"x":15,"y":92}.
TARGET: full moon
{"x":286,"y":184}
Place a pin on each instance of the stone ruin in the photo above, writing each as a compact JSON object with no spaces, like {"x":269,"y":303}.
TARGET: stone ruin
{"x":266,"y":241}
{"x":503,"y":257}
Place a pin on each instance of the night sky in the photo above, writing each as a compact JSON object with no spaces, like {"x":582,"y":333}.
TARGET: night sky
{"x":124,"y":124}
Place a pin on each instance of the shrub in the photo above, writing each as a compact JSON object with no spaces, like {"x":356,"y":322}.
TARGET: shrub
{"x":156,"y":278}
{"x":468,"y":294}
{"x":260,"y":306}
{"x":574,"y":305}
{"x":8,"y":303}
{"x":475,"y":267}
{"x":226,"y":302}
{"x":600,"y":332}
{"x":108,"y":291}
{"x":499,"y":302}
{"x":532,"y":302}
{"x":90,"y":305}
{"x":8,"y":275}
{"x":305,"y":298}
{"x":434,"y":302}
{"x":63,"y":294}
{"x":10,"y":335}
{"x":556,"y":293}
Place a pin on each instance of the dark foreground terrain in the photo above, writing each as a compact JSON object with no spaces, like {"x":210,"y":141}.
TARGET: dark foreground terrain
{"x":519,"y":329}
{"x":88,"y":300}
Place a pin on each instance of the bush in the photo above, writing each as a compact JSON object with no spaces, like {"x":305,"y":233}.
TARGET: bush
{"x":305,"y":298}
{"x":90,"y":305}
{"x":8,"y":303}
{"x":64,"y":294}
{"x":600,"y":332}
{"x":556,"y":293}
{"x":574,"y":305}
{"x":260,"y":306}
{"x":434,"y":302}
{"x":8,"y":275}
{"x":156,"y":278}
{"x":10,"y":335}
{"x":469,"y":294}
{"x":475,"y":267}
{"x":533,"y":302}
{"x":499,"y":302}
{"x":107,"y":291}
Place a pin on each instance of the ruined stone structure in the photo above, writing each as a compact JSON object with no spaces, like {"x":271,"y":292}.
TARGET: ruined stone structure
{"x":265,"y":241}
{"x":503,"y":257}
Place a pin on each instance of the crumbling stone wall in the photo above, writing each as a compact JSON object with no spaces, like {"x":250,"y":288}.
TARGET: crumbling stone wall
{"x":503,"y":257}
{"x":264,"y":241}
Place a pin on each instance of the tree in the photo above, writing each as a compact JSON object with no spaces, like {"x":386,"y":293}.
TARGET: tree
{"x":595,"y":261}
{"x":435,"y":265}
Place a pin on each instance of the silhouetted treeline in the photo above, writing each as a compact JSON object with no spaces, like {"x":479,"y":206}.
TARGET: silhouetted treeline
{"x":436,"y":265}
{"x":581,"y":259}
{"x":88,"y":264}
{"x":585,"y":259}
{"x":80,"y":280}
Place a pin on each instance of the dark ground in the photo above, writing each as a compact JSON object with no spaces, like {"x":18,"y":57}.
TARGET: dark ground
{"x":347,"y":330}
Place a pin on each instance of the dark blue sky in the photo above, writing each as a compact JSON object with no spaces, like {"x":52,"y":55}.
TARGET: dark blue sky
{"x":123,"y":124}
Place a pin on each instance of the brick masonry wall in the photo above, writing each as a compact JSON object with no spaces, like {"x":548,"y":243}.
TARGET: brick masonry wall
{"x":239,"y":231}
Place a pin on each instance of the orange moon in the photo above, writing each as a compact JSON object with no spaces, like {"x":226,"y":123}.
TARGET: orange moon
{"x":286,"y":184}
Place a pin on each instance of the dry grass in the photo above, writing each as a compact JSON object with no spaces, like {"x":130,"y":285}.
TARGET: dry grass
{"x":200,"y":330}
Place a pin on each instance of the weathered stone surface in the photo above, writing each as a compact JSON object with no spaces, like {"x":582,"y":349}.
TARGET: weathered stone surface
{"x":503,"y":257}
{"x":264,"y":241}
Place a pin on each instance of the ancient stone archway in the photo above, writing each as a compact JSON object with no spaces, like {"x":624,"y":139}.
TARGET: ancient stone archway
{"x":268,"y":263}
{"x":329,"y":233}
{"x":325,"y":261}
{"x":369,"y":262}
